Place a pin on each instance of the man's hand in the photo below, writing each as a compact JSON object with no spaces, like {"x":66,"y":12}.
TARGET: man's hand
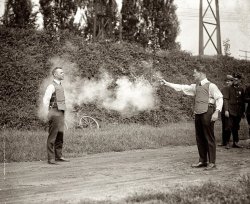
{"x":43,"y":113}
{"x":227,"y":114}
{"x":161,"y":79}
{"x":215,"y":116}
{"x":44,"y":117}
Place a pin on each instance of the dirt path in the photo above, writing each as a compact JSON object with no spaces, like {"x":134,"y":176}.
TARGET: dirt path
{"x":116,"y":175}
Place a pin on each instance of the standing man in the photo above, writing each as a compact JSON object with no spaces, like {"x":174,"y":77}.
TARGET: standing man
{"x":247,"y":102}
{"x":225,"y":120}
{"x":234,"y":108}
{"x":54,"y":105}
{"x":207,"y":105}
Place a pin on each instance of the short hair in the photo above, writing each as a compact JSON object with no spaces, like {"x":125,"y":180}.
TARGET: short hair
{"x":54,"y":70}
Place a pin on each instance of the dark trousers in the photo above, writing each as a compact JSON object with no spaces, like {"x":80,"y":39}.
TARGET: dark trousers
{"x":205,"y":138}
{"x":248,"y":121}
{"x":234,"y":126}
{"x":248,"y":118}
{"x":55,"y":138}
{"x":225,"y":129}
{"x":224,"y":121}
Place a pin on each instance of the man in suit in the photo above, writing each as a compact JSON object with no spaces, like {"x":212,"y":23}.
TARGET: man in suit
{"x":224,"y":120}
{"x":208,"y":104}
{"x":54,"y":106}
{"x":234,"y":108}
{"x":247,"y":102}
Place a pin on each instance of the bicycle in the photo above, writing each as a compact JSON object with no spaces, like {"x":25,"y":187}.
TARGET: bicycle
{"x":82,"y":120}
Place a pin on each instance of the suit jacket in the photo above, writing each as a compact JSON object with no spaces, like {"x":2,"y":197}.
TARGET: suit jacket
{"x":247,"y":99}
{"x":224,"y":91}
{"x":233,"y":98}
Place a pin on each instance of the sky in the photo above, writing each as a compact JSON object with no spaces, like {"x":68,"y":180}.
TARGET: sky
{"x":234,"y":20}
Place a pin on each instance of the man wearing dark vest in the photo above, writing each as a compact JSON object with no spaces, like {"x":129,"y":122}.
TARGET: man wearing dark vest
{"x":207,"y":105}
{"x":54,"y":105}
{"x":234,"y":108}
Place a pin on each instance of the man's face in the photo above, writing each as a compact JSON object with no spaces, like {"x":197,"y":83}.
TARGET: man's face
{"x":59,"y":74}
{"x":237,"y":81}
{"x":196,"y":75}
{"x":229,"y":83}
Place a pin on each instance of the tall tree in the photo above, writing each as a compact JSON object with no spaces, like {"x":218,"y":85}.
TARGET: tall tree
{"x":150,"y":21}
{"x":57,"y":14}
{"x":161,"y":15}
{"x":101,"y":18}
{"x":130,"y":18}
{"x":18,"y":13}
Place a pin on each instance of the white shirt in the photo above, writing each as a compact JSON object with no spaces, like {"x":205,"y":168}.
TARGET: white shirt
{"x":215,"y":95}
{"x":48,"y":93}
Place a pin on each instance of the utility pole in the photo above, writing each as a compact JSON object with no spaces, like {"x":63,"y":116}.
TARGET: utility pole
{"x":245,"y":56}
{"x":203,"y":25}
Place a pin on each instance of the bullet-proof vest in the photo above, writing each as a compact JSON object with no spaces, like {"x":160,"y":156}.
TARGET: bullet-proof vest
{"x":58,"y":99}
{"x":201,"y":98}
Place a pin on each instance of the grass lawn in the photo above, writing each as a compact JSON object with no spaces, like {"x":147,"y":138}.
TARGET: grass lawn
{"x":207,"y":193}
{"x":23,"y":145}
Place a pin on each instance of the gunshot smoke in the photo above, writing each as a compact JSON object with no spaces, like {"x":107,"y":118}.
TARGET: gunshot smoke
{"x":131,"y":96}
{"x":127,"y":96}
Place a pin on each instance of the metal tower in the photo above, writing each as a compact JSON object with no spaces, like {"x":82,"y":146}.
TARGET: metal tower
{"x":214,"y":23}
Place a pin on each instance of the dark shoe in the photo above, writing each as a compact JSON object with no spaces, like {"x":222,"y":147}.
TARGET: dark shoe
{"x":236,"y":145}
{"x":62,"y":159}
{"x":199,"y":165}
{"x":227,"y":146}
{"x":210,"y":166}
{"x":221,"y":145}
{"x":52,"y":162}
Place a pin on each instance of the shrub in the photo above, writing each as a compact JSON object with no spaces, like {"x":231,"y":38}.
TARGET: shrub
{"x":25,"y":62}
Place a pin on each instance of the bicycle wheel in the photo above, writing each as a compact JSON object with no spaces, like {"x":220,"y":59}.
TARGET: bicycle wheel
{"x":88,"y":122}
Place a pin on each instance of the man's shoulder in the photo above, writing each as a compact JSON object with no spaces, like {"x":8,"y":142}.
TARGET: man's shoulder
{"x":247,"y":89}
{"x":51,"y":86}
{"x":212,"y":85}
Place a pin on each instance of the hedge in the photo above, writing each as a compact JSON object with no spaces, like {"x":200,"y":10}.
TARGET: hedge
{"x":25,"y":62}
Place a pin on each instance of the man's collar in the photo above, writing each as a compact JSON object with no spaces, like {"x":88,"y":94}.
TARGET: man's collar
{"x":57,"y":81}
{"x":204,"y":81}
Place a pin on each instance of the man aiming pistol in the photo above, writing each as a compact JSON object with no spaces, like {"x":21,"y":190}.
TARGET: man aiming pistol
{"x":207,"y":105}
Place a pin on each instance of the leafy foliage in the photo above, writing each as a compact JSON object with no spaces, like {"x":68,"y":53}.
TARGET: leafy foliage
{"x":130,"y":18}
{"x":57,"y":14}
{"x":18,"y":13}
{"x":147,"y":21}
{"x":102,"y":14}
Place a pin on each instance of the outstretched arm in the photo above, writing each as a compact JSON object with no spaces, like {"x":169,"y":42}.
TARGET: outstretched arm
{"x":186,"y":89}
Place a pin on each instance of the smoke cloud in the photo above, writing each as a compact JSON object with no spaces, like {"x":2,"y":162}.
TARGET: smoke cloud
{"x":125,"y":95}
{"x":131,"y":96}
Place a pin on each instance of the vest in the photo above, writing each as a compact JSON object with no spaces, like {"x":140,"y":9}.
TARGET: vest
{"x":201,"y":99}
{"x":58,"y":99}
